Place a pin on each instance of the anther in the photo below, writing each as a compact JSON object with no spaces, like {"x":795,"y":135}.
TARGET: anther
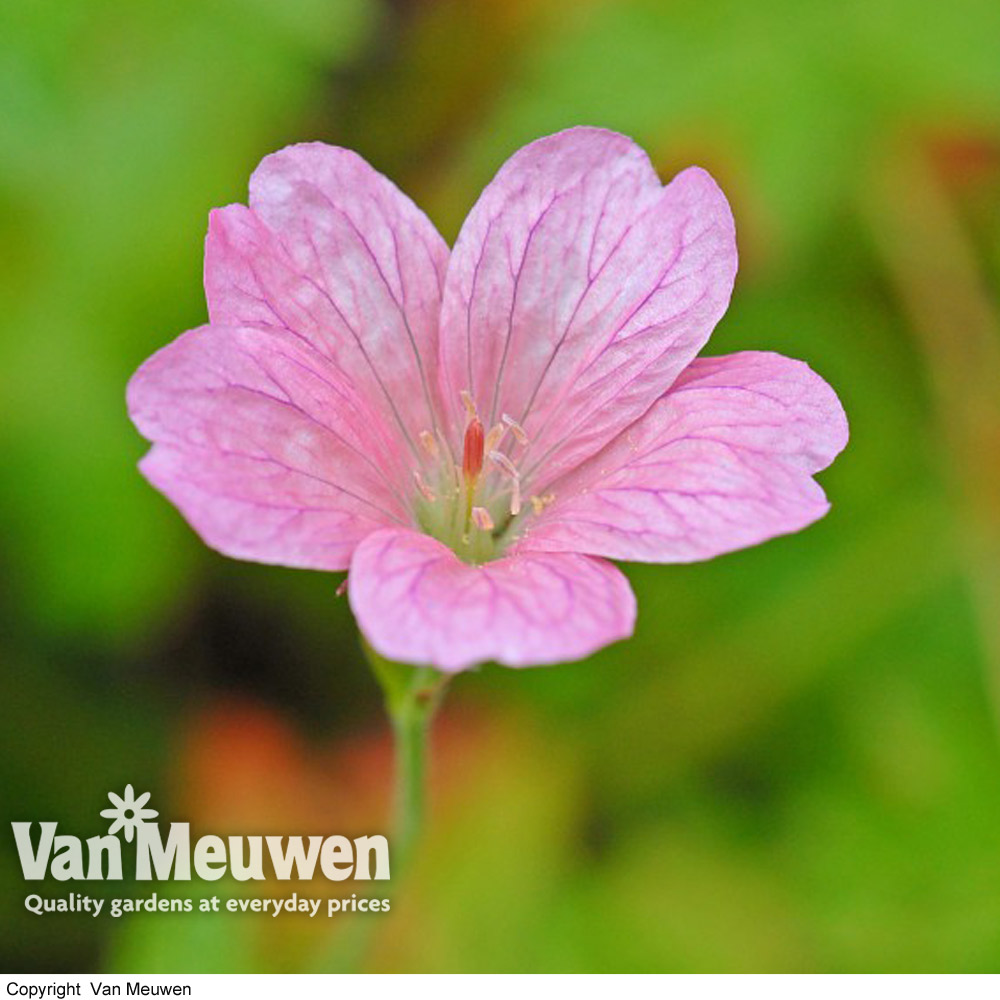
{"x":503,"y":462}
{"x":499,"y":459}
{"x":516,"y":429}
{"x":470,"y":407}
{"x":427,"y":492}
{"x":481,"y":518}
{"x":539,"y":504}
{"x":429,"y":443}
{"x":494,"y":436}
{"x":472,"y":454}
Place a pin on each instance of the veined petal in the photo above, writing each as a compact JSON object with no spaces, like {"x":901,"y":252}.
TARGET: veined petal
{"x":578,"y":290}
{"x":333,"y":252}
{"x":268,"y":452}
{"x":724,"y":460}
{"x":417,"y":602}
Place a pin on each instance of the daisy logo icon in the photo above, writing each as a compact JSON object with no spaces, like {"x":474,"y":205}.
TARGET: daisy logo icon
{"x":128,"y":813}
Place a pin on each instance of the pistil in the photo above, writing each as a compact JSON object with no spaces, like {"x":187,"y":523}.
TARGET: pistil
{"x":472,"y":466}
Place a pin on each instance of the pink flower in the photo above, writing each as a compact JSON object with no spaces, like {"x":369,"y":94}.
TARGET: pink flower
{"x":474,"y":434}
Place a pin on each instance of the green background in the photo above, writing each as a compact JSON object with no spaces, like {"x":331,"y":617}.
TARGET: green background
{"x":793,"y":766}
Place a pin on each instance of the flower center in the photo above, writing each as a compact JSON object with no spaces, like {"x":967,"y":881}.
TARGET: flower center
{"x":474,"y":506}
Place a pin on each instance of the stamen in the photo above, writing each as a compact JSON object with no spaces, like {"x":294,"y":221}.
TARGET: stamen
{"x":503,"y":462}
{"x":516,"y":429}
{"x":429,"y":443}
{"x":341,"y":589}
{"x":494,"y":437}
{"x":498,"y":458}
{"x":472,"y":455}
{"x":423,"y":487}
{"x":481,"y":518}
{"x":470,"y":407}
{"x":539,"y":504}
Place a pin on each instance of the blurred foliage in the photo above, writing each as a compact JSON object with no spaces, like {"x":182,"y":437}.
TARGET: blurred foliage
{"x":794,"y":765}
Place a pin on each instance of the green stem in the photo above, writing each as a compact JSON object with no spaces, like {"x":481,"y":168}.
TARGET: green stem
{"x":410,"y":729}
{"x":412,"y":694}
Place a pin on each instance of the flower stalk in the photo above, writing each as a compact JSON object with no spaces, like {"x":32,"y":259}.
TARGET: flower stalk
{"x":412,"y":695}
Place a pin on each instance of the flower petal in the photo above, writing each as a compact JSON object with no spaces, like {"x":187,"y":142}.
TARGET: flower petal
{"x":724,"y":460}
{"x":332,"y":251}
{"x":578,"y":290}
{"x":264,"y":447}
{"x":417,"y":603}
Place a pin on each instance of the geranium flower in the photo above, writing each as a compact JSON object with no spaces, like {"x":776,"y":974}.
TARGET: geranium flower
{"x":474,"y":434}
